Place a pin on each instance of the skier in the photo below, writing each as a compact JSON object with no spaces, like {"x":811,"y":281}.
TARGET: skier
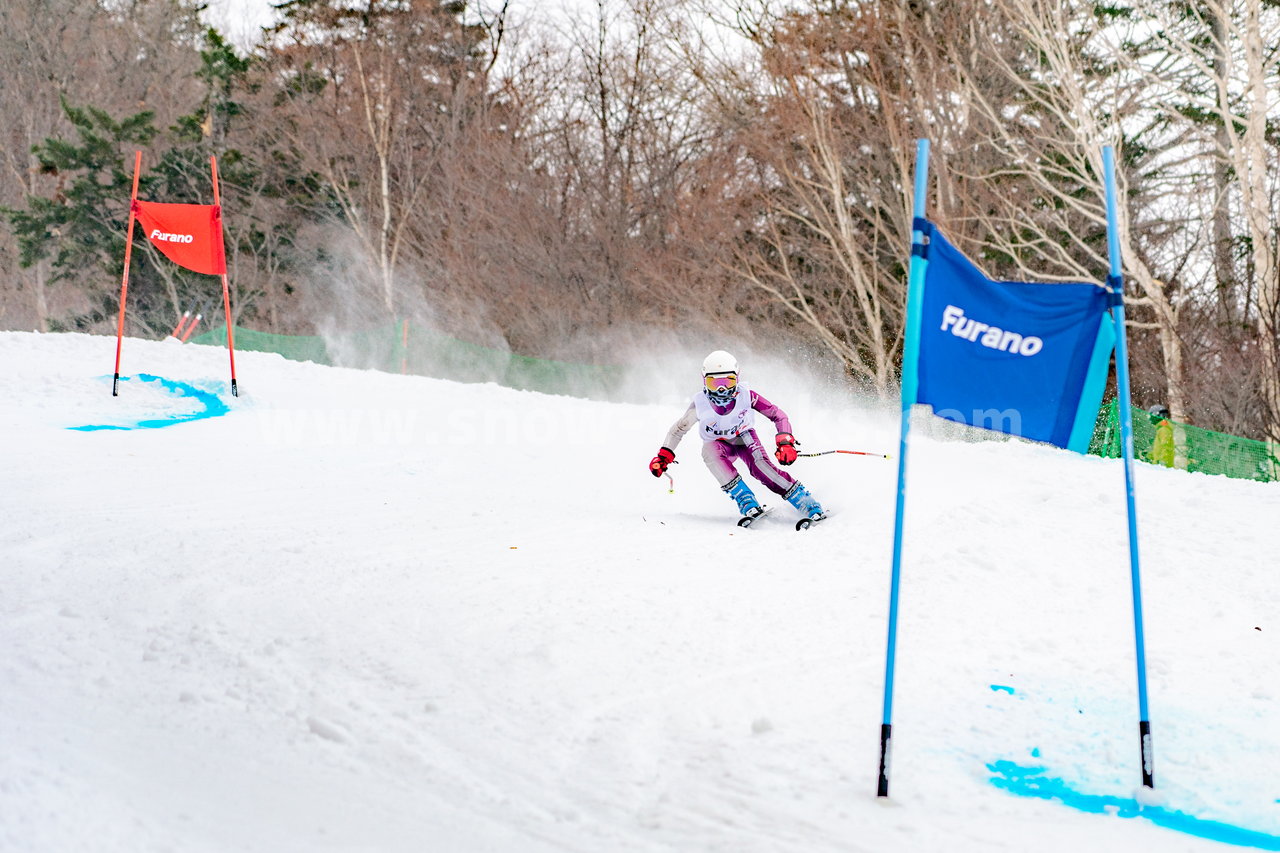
{"x":1163,"y":451}
{"x":724,"y":413}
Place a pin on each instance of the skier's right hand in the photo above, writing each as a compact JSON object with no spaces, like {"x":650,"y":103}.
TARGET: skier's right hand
{"x":658,"y":464}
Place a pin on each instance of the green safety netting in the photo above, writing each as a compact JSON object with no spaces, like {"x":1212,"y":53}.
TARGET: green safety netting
{"x":395,"y":349}
{"x":426,"y":353}
{"x":1178,"y":445}
{"x":295,"y":347}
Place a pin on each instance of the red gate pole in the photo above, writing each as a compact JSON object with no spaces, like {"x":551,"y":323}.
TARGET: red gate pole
{"x":226,"y":295}
{"x":124,"y":282}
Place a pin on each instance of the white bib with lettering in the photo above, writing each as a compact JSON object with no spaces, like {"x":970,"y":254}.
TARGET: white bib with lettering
{"x":713,"y":426}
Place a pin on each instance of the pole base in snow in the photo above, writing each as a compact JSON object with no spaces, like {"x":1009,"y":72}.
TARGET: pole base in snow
{"x":235,"y":392}
{"x":115,"y":386}
{"x":886,"y":731}
{"x":1148,"y":774}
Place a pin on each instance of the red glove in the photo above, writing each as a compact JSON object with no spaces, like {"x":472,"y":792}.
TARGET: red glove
{"x":658,"y":464}
{"x":786,"y":451}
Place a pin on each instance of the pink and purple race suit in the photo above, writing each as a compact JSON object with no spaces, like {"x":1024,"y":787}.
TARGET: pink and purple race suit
{"x":728,"y":434}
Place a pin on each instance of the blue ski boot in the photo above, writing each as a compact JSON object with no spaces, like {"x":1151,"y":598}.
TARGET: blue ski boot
{"x":746,"y":500}
{"x":798,"y":496}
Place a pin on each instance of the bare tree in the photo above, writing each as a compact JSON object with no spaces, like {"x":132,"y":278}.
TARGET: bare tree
{"x":1216,"y":63}
{"x":829,"y":125}
{"x":810,"y":230}
{"x":368,"y":87}
{"x":613,"y":191}
{"x":138,"y":56}
{"x":1059,"y":105}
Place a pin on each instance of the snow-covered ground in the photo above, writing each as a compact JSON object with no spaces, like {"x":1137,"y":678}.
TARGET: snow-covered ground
{"x":362,"y":611}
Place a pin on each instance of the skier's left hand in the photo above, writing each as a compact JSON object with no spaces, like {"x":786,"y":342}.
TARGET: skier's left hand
{"x":786,"y":451}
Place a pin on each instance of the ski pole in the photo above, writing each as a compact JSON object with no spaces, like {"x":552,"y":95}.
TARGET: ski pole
{"x":671,"y":485}
{"x":850,"y":452}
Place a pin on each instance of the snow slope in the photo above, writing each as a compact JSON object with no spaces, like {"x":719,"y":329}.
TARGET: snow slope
{"x":362,"y":611}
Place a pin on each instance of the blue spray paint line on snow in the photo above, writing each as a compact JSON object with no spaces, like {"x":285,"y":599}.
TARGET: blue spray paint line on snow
{"x":1032,"y":782}
{"x":213,"y":406}
{"x":998,"y":687}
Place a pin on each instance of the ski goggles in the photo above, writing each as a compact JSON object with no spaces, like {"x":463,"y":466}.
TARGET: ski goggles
{"x":722,"y":383}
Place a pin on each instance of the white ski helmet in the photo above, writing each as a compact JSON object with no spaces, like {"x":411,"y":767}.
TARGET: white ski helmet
{"x":719,"y":362}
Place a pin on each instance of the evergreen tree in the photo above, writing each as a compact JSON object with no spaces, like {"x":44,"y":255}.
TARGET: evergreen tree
{"x":81,"y":228}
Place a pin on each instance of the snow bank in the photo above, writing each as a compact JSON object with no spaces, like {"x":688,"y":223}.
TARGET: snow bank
{"x":365,"y":611}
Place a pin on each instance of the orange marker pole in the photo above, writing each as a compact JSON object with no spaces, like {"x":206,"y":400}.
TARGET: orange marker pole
{"x":192,"y":327}
{"x":226,"y":294}
{"x":124,"y":282}
{"x":182,"y":321}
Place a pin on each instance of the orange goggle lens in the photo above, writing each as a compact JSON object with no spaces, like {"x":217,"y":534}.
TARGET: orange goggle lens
{"x":722,"y":383}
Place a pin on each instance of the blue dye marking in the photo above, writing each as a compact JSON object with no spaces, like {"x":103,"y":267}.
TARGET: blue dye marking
{"x":1031,"y":782}
{"x":1035,"y":752}
{"x":999,"y":687}
{"x":212,"y":403}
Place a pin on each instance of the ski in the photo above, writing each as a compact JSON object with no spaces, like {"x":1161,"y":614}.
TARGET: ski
{"x":748,"y":519}
{"x":806,"y":523}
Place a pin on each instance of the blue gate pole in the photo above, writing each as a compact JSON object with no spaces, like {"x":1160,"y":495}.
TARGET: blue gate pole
{"x":1116,"y":282}
{"x":910,"y":351}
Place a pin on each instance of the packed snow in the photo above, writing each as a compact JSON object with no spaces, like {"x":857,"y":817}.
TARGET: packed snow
{"x":349,"y":610}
